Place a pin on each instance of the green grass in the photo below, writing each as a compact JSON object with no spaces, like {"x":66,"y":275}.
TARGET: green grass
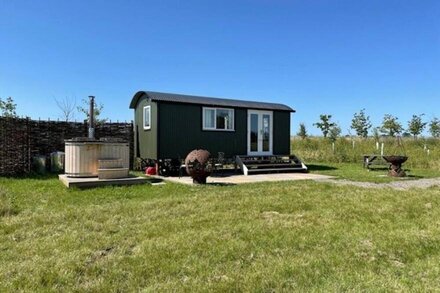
{"x":289,"y":236}
{"x":345,"y":162}
{"x":318,"y":149}
{"x":377,"y":174}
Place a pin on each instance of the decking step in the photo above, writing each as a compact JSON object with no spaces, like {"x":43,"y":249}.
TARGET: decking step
{"x":269,"y":164}
{"x":112,"y":173}
{"x":278,"y":165}
{"x":265,"y":162}
{"x":110,"y":163}
{"x":276,"y":170}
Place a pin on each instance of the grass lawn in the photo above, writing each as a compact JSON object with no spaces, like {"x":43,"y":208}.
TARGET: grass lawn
{"x":377,"y":174}
{"x":302,"y":236}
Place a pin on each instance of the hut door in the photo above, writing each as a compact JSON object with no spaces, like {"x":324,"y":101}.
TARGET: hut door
{"x":259,"y":134}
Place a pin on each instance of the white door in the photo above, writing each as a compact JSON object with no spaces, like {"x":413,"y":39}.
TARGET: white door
{"x":260,"y":129}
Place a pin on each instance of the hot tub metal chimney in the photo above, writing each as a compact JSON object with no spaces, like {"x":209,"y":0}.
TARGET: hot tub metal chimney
{"x":92,"y":118}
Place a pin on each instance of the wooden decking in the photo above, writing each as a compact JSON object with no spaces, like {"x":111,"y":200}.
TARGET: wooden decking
{"x":96,"y":182}
{"x":269,"y":164}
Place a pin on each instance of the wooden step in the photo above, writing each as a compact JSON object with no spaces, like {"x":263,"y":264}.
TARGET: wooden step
{"x":110,"y":163}
{"x":112,"y":173}
{"x":267,"y":164}
{"x":279,"y":165}
{"x":276,"y":170}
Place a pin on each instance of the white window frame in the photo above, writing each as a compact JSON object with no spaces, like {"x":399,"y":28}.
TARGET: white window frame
{"x":149,"y":117}
{"x":215,"y":119}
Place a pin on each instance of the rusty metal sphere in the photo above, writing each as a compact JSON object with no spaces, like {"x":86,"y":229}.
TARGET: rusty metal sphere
{"x":198,"y":165}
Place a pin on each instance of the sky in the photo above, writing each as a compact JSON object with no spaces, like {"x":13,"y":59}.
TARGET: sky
{"x":317,"y":56}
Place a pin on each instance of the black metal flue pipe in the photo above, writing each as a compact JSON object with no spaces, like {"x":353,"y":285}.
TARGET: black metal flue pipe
{"x":92,"y":118}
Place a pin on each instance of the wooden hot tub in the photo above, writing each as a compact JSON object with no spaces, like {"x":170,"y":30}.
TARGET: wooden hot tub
{"x":83,"y":155}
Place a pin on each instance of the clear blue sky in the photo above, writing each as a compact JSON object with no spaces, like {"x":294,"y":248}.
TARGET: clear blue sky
{"x":332,"y":57}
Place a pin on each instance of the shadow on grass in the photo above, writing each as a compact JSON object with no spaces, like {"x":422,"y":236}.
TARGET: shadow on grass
{"x":415,"y":177}
{"x":412,"y":176}
{"x":378,"y":169}
{"x":7,"y":210}
{"x":219,"y":184}
{"x":385,"y":171}
{"x":51,"y":176}
{"x":32,"y":175}
{"x":153,"y":180}
{"x":224,"y":174}
{"x":314,"y":167}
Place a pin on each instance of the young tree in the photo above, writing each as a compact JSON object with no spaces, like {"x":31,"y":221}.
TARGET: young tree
{"x":361,"y":123}
{"x":406,"y":134}
{"x":416,"y":125}
{"x":376,"y":133}
{"x":325,"y":124}
{"x":8,"y":108}
{"x":390,"y":125}
{"x":96,"y":113}
{"x":302,"y":132}
{"x":434,"y":127}
{"x":67,"y":107}
{"x":334,"y":132}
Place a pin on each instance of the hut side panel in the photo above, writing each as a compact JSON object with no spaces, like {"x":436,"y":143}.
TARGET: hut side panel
{"x":281,"y":133}
{"x":181,"y":131}
{"x":146,"y":140}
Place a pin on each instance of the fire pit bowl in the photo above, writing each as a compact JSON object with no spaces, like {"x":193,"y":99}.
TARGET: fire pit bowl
{"x":197,"y":165}
{"x":396,"y":165}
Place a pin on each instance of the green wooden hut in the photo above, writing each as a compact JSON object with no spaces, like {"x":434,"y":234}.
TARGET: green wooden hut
{"x":169,"y":126}
{"x":255,"y":134}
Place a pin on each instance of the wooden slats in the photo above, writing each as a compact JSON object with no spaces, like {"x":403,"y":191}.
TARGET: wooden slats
{"x":260,"y":164}
{"x":22,"y":138}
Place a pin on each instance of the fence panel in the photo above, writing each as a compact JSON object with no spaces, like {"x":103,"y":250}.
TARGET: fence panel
{"x":21,"y":139}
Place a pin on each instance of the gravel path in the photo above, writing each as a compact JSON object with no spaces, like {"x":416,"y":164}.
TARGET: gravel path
{"x":400,"y":185}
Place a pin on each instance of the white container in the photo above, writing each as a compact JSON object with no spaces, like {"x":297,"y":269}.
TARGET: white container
{"x":57,"y":162}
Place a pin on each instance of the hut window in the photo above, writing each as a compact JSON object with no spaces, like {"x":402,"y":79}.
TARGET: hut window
{"x":218,"y":119}
{"x":147,"y":117}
